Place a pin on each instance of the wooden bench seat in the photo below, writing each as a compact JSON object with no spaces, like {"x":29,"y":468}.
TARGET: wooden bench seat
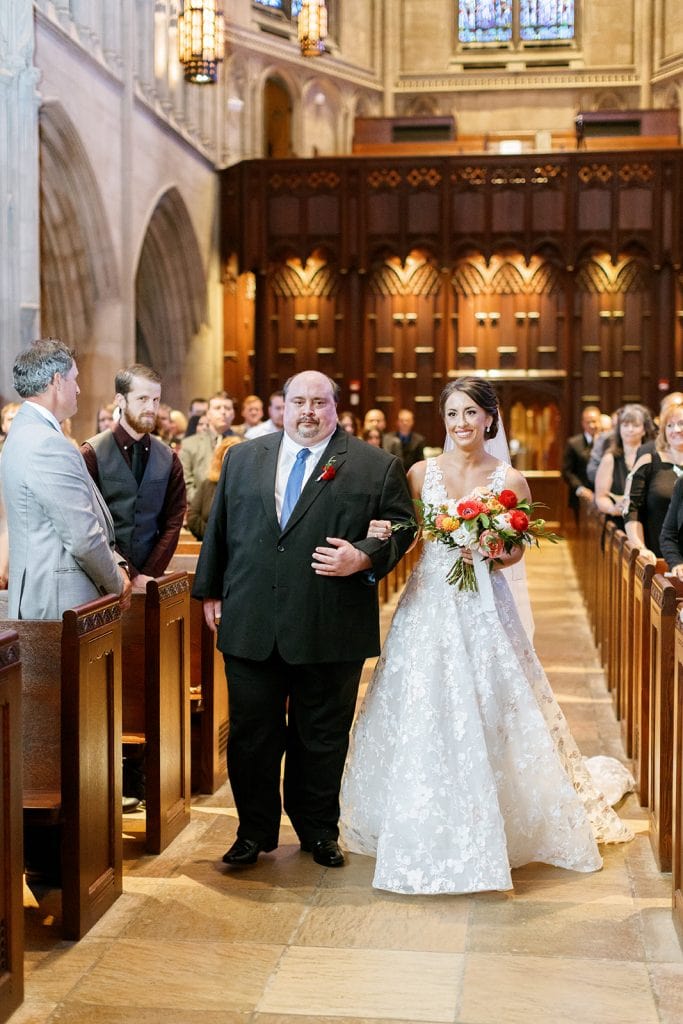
{"x":11,"y":840}
{"x":71,"y":693}
{"x":156,"y":701}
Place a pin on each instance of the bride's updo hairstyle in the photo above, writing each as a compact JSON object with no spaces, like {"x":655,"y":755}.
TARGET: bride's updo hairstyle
{"x":482,"y":394}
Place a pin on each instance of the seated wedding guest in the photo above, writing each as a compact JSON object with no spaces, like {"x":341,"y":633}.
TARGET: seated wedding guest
{"x":634,"y":426}
{"x":276,"y":412}
{"x":376,"y":418}
{"x":105,"y":417}
{"x":198,"y":407}
{"x":576,"y":454}
{"x":373,"y":435}
{"x":349,"y":422}
{"x":411,"y":443}
{"x":652,"y":482}
{"x":671,"y":536}
{"x":200,"y":506}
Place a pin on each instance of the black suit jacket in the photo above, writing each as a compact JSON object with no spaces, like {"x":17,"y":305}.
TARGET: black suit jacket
{"x":270,"y":594}
{"x":671,"y":537}
{"x":410,"y":453}
{"x":574,"y":466}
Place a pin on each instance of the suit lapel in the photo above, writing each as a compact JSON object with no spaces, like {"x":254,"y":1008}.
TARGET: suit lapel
{"x":267,"y":470}
{"x":337,"y":450}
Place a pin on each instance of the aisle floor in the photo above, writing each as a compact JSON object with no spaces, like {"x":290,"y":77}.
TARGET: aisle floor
{"x":289,"y":942}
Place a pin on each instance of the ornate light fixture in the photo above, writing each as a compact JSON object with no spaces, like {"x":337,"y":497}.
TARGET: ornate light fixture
{"x":201,"y":40}
{"x":312,"y":27}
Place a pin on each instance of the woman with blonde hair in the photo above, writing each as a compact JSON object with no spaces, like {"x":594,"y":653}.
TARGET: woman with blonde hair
{"x":652,"y":482}
{"x":200,"y":506}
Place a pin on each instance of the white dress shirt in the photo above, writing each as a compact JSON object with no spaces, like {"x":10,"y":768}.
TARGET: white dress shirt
{"x":289,"y":450}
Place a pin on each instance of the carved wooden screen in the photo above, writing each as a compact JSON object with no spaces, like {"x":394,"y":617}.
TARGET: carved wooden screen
{"x":613,"y":331}
{"x":405,"y":333}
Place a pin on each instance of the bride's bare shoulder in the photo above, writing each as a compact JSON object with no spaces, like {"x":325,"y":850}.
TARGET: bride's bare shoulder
{"x":416,"y":478}
{"x":517,"y":483}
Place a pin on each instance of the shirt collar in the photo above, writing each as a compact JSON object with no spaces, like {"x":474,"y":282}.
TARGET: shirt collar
{"x":46,"y":414}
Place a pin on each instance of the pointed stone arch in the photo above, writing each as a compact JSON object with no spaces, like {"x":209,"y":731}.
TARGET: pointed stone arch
{"x":170,"y":293}
{"x":78,"y":266}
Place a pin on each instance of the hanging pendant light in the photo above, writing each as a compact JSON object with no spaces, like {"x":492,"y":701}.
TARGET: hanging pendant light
{"x":201,"y":40}
{"x":312,"y":27}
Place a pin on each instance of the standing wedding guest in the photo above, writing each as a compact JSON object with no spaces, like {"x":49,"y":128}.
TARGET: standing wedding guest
{"x":652,"y":482}
{"x":61,"y":535}
{"x":462,"y":765}
{"x":373,"y":436}
{"x":200,"y":507}
{"x":252,"y":414}
{"x":349,"y":421}
{"x":105,"y":417}
{"x":140,"y":477}
{"x":671,"y":536}
{"x":288,"y":577}
{"x":576,"y":455}
{"x":411,"y":443}
{"x":197,"y":451}
{"x":7,"y":414}
{"x":276,"y":412}
{"x":634,"y":427}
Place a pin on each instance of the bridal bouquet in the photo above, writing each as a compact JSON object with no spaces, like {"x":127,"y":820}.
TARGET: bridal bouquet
{"x":486,"y":523}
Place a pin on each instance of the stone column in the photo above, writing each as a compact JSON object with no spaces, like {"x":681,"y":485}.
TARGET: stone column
{"x":19,"y":188}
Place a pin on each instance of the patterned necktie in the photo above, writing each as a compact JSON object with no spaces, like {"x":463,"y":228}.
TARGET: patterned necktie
{"x":137,"y":461}
{"x":293,"y":488}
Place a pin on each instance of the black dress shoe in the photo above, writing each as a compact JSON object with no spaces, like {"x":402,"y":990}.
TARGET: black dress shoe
{"x":325,"y":852}
{"x":246,"y":851}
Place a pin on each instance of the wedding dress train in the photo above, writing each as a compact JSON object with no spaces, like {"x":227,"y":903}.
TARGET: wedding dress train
{"x":461,"y":763}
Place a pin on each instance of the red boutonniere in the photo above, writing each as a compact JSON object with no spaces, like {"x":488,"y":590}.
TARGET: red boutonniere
{"x":329,"y":472}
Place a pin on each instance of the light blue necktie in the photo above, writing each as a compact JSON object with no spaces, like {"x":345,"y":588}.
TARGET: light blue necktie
{"x":293,"y":488}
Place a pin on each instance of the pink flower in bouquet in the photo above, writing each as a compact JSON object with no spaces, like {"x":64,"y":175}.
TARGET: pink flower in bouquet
{"x":470,"y":508}
{"x":491,"y":543}
{"x":519,"y":521}
{"x":508,"y":499}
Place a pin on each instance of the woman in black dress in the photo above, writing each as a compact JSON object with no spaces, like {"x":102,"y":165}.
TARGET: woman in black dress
{"x":653,"y":479}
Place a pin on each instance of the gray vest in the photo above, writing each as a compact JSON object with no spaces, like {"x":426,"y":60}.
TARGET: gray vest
{"x":135,"y":510}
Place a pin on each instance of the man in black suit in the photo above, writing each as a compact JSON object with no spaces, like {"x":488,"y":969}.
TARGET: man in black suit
{"x":576,"y":455}
{"x":410,"y":444}
{"x":288,"y":577}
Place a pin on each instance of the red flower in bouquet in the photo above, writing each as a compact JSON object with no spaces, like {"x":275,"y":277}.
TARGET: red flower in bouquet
{"x":470,"y":508}
{"x":508,"y":499}
{"x":519,"y":520}
{"x":488,"y":524}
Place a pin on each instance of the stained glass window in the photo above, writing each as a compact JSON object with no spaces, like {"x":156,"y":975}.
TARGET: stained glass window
{"x":296,"y":7}
{"x":546,"y":19}
{"x":491,"y":21}
{"x":278,"y":4}
{"x":485,"y":21}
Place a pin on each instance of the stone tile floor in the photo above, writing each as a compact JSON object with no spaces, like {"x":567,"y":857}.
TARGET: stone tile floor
{"x":289,"y":942}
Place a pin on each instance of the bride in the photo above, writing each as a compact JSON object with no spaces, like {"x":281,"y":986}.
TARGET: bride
{"x":462,"y":765}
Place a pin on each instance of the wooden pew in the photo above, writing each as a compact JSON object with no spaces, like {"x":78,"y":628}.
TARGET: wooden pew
{"x":677,"y":791}
{"x":11,"y":840}
{"x":664,"y":601}
{"x":207,"y":680}
{"x":604,"y":597}
{"x":156,"y":701}
{"x":640,"y":735}
{"x":626,"y":668}
{"x":71,"y":695}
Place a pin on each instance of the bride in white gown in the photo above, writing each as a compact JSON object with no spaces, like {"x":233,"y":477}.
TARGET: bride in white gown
{"x":461,"y":764}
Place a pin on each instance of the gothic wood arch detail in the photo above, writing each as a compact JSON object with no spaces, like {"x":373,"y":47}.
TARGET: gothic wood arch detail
{"x":418,"y":275}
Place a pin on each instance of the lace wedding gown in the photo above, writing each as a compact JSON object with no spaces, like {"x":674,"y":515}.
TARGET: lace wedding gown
{"x":462,"y":764}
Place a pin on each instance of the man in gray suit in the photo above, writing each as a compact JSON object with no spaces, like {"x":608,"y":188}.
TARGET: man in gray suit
{"x":61,"y":535}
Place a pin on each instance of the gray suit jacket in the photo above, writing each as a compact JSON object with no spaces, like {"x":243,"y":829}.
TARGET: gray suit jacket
{"x":61,"y":535}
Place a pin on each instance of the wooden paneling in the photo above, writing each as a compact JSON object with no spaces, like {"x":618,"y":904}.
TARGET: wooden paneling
{"x":11,"y":845}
